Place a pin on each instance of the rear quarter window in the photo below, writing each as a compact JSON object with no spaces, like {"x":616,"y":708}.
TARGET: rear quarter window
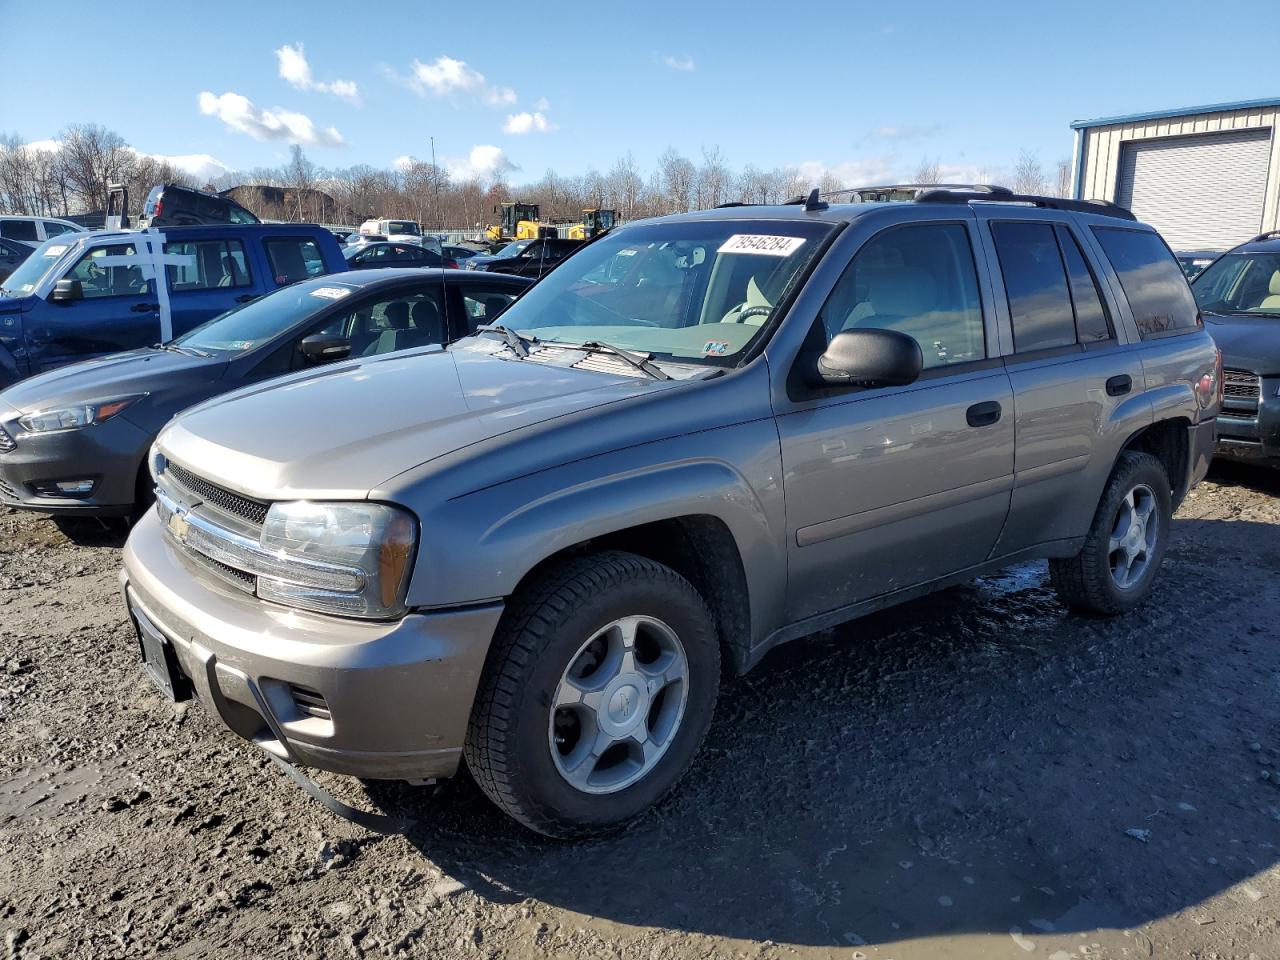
{"x":1153,"y":283}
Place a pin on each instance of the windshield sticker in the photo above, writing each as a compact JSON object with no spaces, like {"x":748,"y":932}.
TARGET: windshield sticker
{"x":715,"y":348}
{"x":330,"y":293}
{"x":57,"y":250}
{"x":241,"y":344}
{"x":761,"y":244}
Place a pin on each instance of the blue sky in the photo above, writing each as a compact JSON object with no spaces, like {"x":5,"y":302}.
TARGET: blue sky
{"x":864,"y":89}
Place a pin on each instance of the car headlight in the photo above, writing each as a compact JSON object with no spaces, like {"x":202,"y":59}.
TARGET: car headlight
{"x":156,"y":462}
{"x":352,"y":559}
{"x":72,"y":418}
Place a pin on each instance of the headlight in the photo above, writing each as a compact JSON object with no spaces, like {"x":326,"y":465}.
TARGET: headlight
{"x":351,"y":559}
{"x":156,"y":462}
{"x":72,"y":418}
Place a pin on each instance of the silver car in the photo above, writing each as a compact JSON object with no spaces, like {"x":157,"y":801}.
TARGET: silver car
{"x":699,"y":437}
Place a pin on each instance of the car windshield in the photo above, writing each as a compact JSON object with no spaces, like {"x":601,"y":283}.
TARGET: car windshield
{"x":511,"y":249}
{"x":1242,"y":284}
{"x":407,"y":227}
{"x":696,"y":292}
{"x":260,"y":320}
{"x":23,"y":280}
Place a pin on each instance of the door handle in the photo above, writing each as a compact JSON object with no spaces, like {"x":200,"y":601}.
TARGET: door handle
{"x":983,"y":414}
{"x":145,"y":307}
{"x":1119,"y":385}
{"x":246,"y":297}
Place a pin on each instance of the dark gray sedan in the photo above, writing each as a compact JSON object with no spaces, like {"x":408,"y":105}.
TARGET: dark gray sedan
{"x":75,"y":440}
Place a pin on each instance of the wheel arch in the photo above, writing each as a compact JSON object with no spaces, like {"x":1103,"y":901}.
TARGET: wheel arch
{"x":1166,"y":440}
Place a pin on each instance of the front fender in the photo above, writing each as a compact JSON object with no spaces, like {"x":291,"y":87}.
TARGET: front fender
{"x":480,"y":546}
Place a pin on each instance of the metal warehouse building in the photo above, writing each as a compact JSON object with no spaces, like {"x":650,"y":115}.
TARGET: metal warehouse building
{"x":1206,"y":177}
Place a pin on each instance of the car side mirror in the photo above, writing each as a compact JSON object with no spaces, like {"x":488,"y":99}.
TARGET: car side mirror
{"x":869,"y":358}
{"x":64,"y":291}
{"x":325,"y":348}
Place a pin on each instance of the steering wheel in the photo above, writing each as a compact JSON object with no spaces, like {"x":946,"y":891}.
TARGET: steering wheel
{"x":757,"y":311}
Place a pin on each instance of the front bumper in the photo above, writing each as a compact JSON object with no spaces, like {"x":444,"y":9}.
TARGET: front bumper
{"x":1247,"y":433}
{"x":110,"y":454}
{"x":369,"y":699}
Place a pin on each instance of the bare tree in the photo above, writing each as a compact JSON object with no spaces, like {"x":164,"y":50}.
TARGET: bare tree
{"x":1064,"y":178}
{"x":1028,"y":175}
{"x":927,"y":172}
{"x":678,"y":178}
{"x":713,"y":179}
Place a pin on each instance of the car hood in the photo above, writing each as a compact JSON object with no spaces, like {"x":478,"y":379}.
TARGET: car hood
{"x":143,"y":371}
{"x":17,"y":304}
{"x":1247,"y":343}
{"x":339,"y":432}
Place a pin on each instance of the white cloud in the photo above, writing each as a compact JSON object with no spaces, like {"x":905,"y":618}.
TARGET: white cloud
{"x":295,"y":69}
{"x":45,"y":146}
{"x":542,"y":103}
{"x":199,"y":166}
{"x":528,"y":123}
{"x":887,"y":169}
{"x":403,"y":163}
{"x":242,"y":115}
{"x":684,"y":64}
{"x":905,"y":132}
{"x":484,"y":162}
{"x":446,"y":76}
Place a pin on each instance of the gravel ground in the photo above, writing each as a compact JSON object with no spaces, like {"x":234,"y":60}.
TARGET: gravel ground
{"x":978,"y":774}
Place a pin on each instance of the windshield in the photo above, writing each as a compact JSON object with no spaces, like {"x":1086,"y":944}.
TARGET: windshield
{"x":1241,"y":284}
{"x":403,"y":227}
{"x":691,"y":292}
{"x":511,"y":249}
{"x":260,"y":320}
{"x":23,"y":280}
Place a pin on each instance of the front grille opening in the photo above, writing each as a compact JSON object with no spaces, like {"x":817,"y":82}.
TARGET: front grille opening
{"x":255,"y":511}
{"x":310,"y":702}
{"x":1241,"y":385}
{"x":7,"y":491}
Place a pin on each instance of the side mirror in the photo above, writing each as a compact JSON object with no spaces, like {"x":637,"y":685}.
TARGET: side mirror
{"x":324,"y":348}
{"x":869,"y":358}
{"x":64,"y":291}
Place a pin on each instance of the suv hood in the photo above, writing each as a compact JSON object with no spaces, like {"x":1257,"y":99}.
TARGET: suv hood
{"x":336,"y":433}
{"x":1247,"y":343}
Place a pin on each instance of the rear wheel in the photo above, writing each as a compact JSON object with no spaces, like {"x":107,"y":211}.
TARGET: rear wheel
{"x":1115,"y":569}
{"x":597,"y":694}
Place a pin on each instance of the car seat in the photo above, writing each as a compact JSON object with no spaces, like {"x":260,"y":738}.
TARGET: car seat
{"x":1272,"y":300}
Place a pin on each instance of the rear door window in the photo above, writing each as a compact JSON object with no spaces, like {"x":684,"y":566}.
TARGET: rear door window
{"x":53,"y":229}
{"x":1093,"y":324}
{"x":1035,"y":283}
{"x":210,"y":264}
{"x":1153,"y":283}
{"x":485,"y":304}
{"x":293,"y":259}
{"x":19,"y":230}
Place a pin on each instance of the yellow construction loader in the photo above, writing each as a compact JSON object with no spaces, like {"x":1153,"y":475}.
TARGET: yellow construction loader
{"x":595,"y":221}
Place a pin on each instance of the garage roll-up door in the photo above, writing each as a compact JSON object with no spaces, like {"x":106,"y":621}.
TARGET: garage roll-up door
{"x":1203,"y":192}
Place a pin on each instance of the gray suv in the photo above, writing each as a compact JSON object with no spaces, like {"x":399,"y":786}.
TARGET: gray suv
{"x":698,"y":438}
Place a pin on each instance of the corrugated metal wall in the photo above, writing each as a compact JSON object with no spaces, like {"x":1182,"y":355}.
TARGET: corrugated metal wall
{"x":1102,"y":155}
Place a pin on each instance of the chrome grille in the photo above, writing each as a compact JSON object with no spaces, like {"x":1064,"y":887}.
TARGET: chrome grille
{"x":6,"y":441}
{"x":246,"y":508}
{"x":1240,"y":385}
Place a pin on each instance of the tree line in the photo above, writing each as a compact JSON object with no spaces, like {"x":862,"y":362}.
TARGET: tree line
{"x":73,"y":174}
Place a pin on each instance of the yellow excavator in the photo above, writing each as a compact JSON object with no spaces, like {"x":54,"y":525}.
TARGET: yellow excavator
{"x":517,"y":221}
{"x":595,"y":221}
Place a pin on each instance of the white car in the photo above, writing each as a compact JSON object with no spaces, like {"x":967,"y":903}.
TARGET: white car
{"x":34,"y":231}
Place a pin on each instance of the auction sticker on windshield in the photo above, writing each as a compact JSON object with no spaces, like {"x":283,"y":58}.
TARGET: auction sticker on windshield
{"x":762,"y":244}
{"x":57,"y":250}
{"x":331,"y":293}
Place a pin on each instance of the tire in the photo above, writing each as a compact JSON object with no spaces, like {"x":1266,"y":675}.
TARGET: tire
{"x":1089,"y":583}
{"x":520,"y":746}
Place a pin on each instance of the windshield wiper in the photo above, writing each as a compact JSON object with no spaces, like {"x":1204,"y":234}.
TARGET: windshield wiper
{"x":641,"y":361}
{"x":519,"y":345}
{"x":185,"y":351}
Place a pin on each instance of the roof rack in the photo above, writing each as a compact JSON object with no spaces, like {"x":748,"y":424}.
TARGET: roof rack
{"x":1266,"y":235}
{"x":988,"y":193}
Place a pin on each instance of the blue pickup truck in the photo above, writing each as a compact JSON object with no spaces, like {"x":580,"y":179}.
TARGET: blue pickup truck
{"x":84,"y":295}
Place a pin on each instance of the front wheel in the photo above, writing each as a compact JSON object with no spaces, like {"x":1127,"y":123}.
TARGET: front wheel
{"x":1114,"y":570}
{"x":596,"y":696}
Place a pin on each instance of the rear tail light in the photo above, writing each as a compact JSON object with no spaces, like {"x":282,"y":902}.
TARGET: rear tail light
{"x":158,"y":210}
{"x":1209,"y":387}
{"x":451,"y":264}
